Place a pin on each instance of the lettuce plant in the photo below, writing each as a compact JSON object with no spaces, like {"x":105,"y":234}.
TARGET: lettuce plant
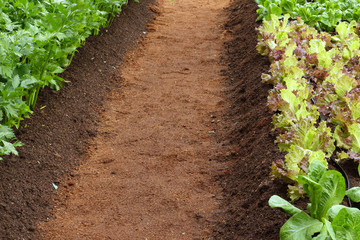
{"x":322,"y":14}
{"x":327,"y":219}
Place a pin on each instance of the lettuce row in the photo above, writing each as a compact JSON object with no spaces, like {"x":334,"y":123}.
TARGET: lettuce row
{"x":315,"y":76}
{"x":322,"y":14}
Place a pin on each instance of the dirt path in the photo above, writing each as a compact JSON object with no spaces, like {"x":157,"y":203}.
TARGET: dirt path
{"x":148,"y":174}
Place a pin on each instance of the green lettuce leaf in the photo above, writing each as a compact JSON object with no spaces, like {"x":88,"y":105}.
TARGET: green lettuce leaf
{"x":353,"y":194}
{"x":333,"y":192}
{"x":346,"y":224}
{"x":278,"y":202}
{"x":300,"y":227}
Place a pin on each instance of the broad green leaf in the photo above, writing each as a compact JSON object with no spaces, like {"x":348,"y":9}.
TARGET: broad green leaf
{"x":353,"y":194}
{"x":346,"y":224}
{"x":334,"y":210}
{"x":288,"y":5}
{"x":15,"y":81}
{"x":277,"y":202}
{"x":333,"y":192}
{"x":330,"y":18}
{"x":325,"y":232}
{"x":274,"y":9}
{"x":314,"y":190}
{"x":316,"y":170}
{"x":300,"y":227}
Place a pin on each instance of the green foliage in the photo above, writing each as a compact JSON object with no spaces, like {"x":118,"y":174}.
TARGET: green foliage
{"x":316,"y":86}
{"x":314,"y":74}
{"x":328,"y":219}
{"x":38,"y":40}
{"x":322,"y":14}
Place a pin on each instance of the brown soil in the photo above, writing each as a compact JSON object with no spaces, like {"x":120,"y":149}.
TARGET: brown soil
{"x":148,"y":174}
{"x":247,"y":185}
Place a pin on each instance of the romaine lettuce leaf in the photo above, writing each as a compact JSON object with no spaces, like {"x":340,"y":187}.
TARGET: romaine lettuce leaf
{"x":299,"y":227}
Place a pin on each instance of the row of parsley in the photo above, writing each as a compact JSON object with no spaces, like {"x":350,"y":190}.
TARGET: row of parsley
{"x":38,"y":40}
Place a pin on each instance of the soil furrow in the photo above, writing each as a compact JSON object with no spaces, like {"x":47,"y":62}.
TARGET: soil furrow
{"x":247,"y":131}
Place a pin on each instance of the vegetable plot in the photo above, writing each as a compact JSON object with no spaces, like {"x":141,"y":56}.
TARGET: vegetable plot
{"x":38,"y":40}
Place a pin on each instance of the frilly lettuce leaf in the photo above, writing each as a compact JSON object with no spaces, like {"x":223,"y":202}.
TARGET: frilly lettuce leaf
{"x":344,"y":29}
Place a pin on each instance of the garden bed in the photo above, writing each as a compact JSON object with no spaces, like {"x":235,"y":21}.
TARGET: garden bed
{"x":248,"y":185}
{"x":57,"y":133}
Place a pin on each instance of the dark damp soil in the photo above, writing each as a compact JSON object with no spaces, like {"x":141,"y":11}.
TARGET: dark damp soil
{"x":247,"y":131}
{"x":62,"y":124}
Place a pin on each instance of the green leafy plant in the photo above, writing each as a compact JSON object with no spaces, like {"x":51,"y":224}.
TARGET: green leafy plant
{"x":316,"y":78}
{"x":38,"y":40}
{"x":322,"y":14}
{"x":327,"y":219}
